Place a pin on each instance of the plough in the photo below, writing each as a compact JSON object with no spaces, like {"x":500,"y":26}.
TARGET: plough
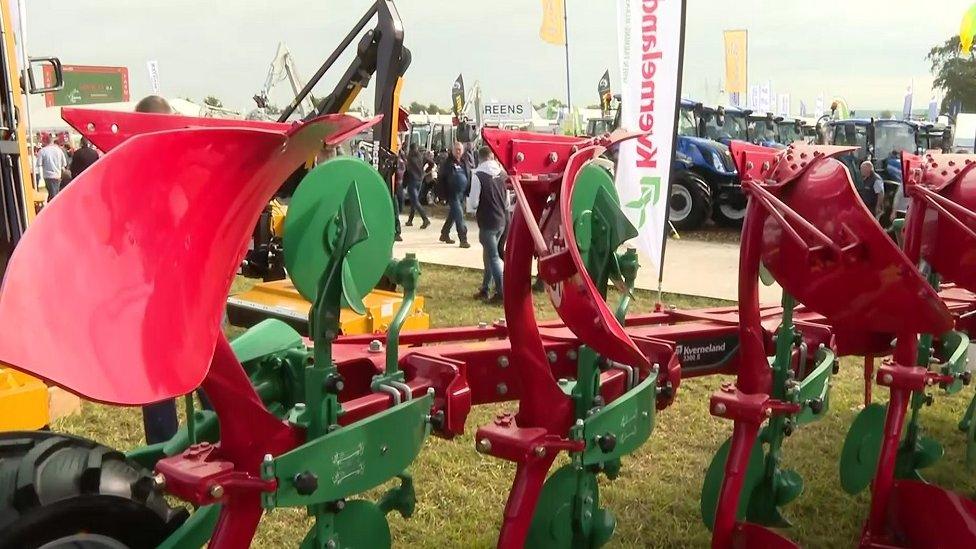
{"x":315,"y":422}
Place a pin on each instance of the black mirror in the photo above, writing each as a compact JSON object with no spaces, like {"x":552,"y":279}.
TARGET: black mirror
{"x":720,"y":116}
{"x":57,"y":73}
{"x":466,"y":132}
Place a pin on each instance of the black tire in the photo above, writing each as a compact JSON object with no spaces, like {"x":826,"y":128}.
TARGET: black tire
{"x":727,"y":214}
{"x":691,"y":201}
{"x":56,"y":489}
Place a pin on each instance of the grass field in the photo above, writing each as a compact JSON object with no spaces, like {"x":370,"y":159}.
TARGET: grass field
{"x":462,"y":493}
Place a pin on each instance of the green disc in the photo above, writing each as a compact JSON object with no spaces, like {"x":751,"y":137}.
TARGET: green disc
{"x":772,"y":493}
{"x":924,"y":453}
{"x":716,"y":474}
{"x":859,"y":457}
{"x":311,"y":226}
{"x":598,"y":222}
{"x":552,"y":523}
{"x":362,"y":524}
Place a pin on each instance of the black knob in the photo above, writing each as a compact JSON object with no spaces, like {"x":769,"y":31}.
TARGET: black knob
{"x":334,"y":383}
{"x":606,"y":442}
{"x":598,"y":401}
{"x":836,"y":367}
{"x":437,"y":420}
{"x":966,"y":377}
{"x":666,"y":392}
{"x":306,"y":483}
{"x":928,"y":400}
{"x":816,"y":405}
{"x":788,"y":428}
{"x":336,"y":506}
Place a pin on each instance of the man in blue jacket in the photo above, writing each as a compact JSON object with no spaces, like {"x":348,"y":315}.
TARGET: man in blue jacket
{"x":456,"y":175}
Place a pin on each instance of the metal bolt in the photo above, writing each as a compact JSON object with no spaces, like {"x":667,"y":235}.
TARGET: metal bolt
{"x":644,"y":413}
{"x":331,"y":544}
{"x":159,"y":481}
{"x":539,"y":451}
{"x":482,"y":324}
{"x":299,"y":406}
{"x":501,"y":388}
{"x":886,"y":379}
{"x":768,"y":412}
{"x":383,"y":449}
{"x":571,"y":354}
{"x":375,"y":346}
{"x":553,"y":157}
{"x":503,"y":361}
{"x":719,"y":409}
{"x":551,"y":355}
{"x":519,"y":157}
{"x":483,"y":446}
{"x":929,"y":381}
{"x":579,"y":422}
{"x":656,"y":368}
{"x":216,"y":491}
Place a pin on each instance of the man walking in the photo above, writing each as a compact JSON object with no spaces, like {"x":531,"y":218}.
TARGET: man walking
{"x":872,"y":189}
{"x":413,"y":179}
{"x":85,"y":156}
{"x":455,"y":176}
{"x":492,"y":215}
{"x":52,"y":162}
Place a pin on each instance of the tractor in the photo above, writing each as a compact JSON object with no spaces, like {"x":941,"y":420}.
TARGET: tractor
{"x":882,"y":142}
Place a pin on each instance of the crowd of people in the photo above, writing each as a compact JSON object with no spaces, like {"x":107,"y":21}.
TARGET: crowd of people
{"x":58,"y":163}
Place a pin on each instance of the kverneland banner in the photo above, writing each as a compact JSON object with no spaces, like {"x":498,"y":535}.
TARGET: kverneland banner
{"x":649,"y":36}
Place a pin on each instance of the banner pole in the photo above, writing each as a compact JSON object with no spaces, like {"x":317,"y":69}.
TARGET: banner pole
{"x":569,"y":99}
{"x":674,"y":151}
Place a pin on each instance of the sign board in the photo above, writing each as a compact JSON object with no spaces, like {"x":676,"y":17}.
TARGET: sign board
{"x":86,"y":85}
{"x":153,"y":68}
{"x":506,"y":112}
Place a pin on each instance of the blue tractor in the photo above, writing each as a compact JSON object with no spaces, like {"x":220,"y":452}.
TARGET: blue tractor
{"x":705,"y":183}
{"x":881,"y":142}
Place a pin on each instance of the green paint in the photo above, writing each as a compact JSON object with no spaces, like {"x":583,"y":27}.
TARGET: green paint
{"x":570,"y":493}
{"x":862,"y":446}
{"x":357,"y":457}
{"x":87,"y":87}
{"x":196,"y":531}
{"x":650,"y":195}
{"x":629,"y":420}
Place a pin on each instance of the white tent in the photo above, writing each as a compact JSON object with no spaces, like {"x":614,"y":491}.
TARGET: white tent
{"x":49,"y":118}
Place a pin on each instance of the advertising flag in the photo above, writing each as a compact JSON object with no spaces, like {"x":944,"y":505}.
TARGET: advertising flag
{"x":153,"y":68}
{"x":933,"y":109}
{"x":803,"y":109}
{"x":457,"y":96}
{"x":819,"y":106}
{"x":649,"y":38}
{"x":553,"y":29}
{"x":783,"y":104}
{"x":736,"y":65}
{"x":603,"y":88}
{"x":906,"y":110}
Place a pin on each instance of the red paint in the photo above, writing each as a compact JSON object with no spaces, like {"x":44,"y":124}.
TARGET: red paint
{"x":144,"y":259}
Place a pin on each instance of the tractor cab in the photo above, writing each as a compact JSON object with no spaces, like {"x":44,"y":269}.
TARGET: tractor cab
{"x":789,"y":130}
{"x":882,"y":142}
{"x":724,"y":124}
{"x":762,"y":129}
{"x":935,"y":137}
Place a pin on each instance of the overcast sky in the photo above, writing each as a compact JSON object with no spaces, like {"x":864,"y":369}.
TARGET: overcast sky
{"x":867,"y":51}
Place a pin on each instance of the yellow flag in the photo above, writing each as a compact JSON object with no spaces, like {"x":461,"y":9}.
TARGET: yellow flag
{"x":967,"y":28}
{"x":553,"y":29}
{"x":736,"y":65}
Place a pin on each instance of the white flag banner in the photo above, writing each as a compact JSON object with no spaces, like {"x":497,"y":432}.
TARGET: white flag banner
{"x":783,"y":104}
{"x":153,"y":68}
{"x":649,"y":37}
{"x":933,"y":109}
{"x":906,"y":110}
{"x":819,"y":107}
{"x":765,"y":97}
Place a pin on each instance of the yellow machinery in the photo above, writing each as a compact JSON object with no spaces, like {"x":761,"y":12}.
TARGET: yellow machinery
{"x":24,"y":400}
{"x":380,"y":56}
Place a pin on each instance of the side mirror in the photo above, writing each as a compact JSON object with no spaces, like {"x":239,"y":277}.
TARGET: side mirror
{"x":57,"y":74}
{"x":466,"y":132}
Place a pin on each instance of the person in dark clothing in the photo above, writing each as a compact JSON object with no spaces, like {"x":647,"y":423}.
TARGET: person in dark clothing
{"x":85,"y":156}
{"x":413,"y":179}
{"x":871,"y":189}
{"x":456,"y":177}
{"x":491,"y":213}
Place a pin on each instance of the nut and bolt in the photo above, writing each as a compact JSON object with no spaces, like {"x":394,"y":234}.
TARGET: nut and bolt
{"x":519,"y":157}
{"x":539,"y":451}
{"x":299,"y":406}
{"x":886,"y":379}
{"x":159,"y":481}
{"x":503,"y":361}
{"x":719,"y":409}
{"x":483,"y":446}
{"x":551,"y":355}
{"x":553,"y":157}
{"x":376,"y":346}
{"x":571,"y":354}
{"x":216,"y":491}
{"x":482,"y":324}
{"x":501,"y":388}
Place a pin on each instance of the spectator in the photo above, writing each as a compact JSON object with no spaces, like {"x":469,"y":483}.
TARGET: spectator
{"x":491,"y":206}
{"x":53,"y":165}
{"x":872,"y":189}
{"x":85,"y":156}
{"x":455,"y":177}
{"x":154,"y":104}
{"x":415,"y":167}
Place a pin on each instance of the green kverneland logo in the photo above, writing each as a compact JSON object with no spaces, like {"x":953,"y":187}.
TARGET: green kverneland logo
{"x":650,"y":194}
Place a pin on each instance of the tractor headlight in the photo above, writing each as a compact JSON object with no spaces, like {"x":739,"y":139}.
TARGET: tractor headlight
{"x":717,"y":161}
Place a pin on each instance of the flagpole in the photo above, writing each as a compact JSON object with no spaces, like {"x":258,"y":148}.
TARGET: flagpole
{"x":674,"y":149}
{"x":569,"y":100}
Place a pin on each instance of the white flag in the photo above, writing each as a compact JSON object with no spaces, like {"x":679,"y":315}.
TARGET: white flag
{"x":933,"y":109}
{"x":783,"y":104}
{"x":153,"y":68}
{"x":649,"y":40}
{"x":906,"y":111}
{"x":819,"y":107}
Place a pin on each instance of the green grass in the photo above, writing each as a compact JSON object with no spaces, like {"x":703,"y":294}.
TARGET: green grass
{"x":462,"y":493}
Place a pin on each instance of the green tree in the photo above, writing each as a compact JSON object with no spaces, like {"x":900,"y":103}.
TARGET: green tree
{"x":271,"y":108}
{"x":415,"y":108}
{"x":955,"y":74}
{"x":213,"y":101}
{"x":886,"y":114}
{"x":434,"y":109}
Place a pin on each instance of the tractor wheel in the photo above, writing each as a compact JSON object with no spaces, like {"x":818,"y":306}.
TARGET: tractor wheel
{"x":691,"y":201}
{"x":58,"y":491}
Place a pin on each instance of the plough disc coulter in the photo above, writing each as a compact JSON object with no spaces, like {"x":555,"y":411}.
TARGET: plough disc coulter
{"x":313,"y":423}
